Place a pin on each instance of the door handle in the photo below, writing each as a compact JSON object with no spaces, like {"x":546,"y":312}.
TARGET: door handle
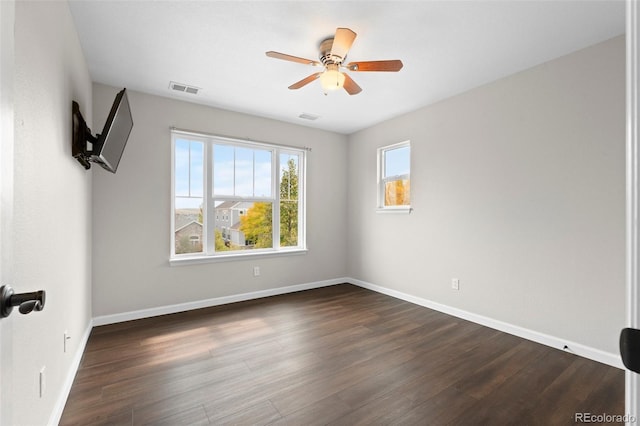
{"x":27,"y":302}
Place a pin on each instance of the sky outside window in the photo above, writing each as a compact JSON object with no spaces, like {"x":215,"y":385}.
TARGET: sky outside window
{"x":397,"y":161}
{"x":189,"y":173}
{"x":241,"y":172}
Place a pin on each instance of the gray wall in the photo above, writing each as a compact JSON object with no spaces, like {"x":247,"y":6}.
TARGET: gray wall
{"x":132,"y":211}
{"x":52,"y":206}
{"x":518,"y":188}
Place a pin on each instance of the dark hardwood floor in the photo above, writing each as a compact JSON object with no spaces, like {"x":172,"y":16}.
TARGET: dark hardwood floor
{"x":339,"y":355}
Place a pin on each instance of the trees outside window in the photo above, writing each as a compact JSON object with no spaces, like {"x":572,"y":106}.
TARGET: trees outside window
{"x":289,"y":203}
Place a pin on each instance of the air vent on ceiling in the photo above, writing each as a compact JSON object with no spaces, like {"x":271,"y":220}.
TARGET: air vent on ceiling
{"x":184,"y":88}
{"x":307,"y":116}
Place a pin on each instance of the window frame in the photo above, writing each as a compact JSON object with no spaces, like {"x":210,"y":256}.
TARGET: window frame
{"x":382,"y":179}
{"x":209,"y":199}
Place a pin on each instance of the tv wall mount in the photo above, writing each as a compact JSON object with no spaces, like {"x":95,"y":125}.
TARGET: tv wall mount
{"x":82,"y":137}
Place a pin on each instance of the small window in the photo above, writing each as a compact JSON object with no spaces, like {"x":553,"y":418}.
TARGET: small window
{"x":394,"y":183}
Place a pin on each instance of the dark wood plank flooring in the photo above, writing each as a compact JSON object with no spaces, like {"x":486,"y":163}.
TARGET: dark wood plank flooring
{"x":339,"y":355}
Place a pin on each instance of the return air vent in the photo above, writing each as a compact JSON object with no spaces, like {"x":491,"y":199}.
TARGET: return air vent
{"x":184,"y":88}
{"x":307,"y":116}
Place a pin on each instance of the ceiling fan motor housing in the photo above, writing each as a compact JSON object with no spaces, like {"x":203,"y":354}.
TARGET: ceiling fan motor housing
{"x":325,"y":53}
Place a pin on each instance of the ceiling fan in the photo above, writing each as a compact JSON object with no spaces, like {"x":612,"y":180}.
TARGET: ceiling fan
{"x":333,"y":53}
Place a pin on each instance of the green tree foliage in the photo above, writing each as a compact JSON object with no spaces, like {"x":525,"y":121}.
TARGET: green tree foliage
{"x":220,"y":246}
{"x":289,"y":205}
{"x":256,"y":225}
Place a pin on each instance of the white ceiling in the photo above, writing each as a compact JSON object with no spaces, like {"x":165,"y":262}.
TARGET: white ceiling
{"x":447,"y":47}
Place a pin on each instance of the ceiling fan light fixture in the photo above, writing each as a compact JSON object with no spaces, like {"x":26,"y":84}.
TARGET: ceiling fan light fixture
{"x":333,"y":54}
{"x":331,"y":80}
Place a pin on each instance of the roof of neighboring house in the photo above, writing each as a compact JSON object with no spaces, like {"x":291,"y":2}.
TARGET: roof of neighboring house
{"x":235,"y":205}
{"x":188,"y":211}
{"x":185,"y":216}
{"x":227,"y":205}
{"x":184,"y":226}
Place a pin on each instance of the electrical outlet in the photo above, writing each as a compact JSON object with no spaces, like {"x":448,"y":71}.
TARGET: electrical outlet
{"x":42,"y":381}
{"x":455,"y":284}
{"x":256,"y":271}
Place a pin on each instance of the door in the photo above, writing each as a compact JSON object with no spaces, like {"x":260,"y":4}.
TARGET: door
{"x":632,"y":389}
{"x":7,"y":15}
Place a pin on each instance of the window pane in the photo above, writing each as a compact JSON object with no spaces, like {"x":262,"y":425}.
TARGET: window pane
{"x":189,"y":169}
{"x":197,"y":169}
{"x":397,"y":193}
{"x":182,"y":167}
{"x":244,"y":172}
{"x":223,"y":169}
{"x":242,"y":225}
{"x":189,"y":172}
{"x":397,"y":161}
{"x":289,"y":200}
{"x":188,"y":225}
{"x":262,"y":177}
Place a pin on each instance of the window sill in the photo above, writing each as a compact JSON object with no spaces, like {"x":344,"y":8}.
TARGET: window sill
{"x":395,"y":210}
{"x":194,"y":260}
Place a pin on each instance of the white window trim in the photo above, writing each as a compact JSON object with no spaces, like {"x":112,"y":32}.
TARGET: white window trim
{"x":194,"y":260}
{"x":394,"y":210}
{"x":381,"y":208}
{"x":209,"y":254}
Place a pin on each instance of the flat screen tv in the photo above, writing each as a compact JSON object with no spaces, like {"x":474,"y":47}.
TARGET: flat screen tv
{"x":107,"y":147}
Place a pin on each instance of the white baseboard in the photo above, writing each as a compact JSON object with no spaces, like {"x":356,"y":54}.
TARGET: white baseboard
{"x":188,"y":306}
{"x":608,"y":358}
{"x":58,"y":409}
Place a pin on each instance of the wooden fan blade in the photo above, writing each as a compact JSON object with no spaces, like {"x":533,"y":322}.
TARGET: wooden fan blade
{"x":351,"y":86}
{"x":393,"y":65}
{"x":285,"y":57}
{"x":305,"y":81}
{"x":342,"y":42}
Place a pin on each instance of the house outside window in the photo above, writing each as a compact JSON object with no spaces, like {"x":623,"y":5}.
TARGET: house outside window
{"x":394,"y":178}
{"x":239,"y":198}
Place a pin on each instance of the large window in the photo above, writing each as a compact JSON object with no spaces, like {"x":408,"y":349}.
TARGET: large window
{"x":394,"y":183}
{"x":233,"y":197}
